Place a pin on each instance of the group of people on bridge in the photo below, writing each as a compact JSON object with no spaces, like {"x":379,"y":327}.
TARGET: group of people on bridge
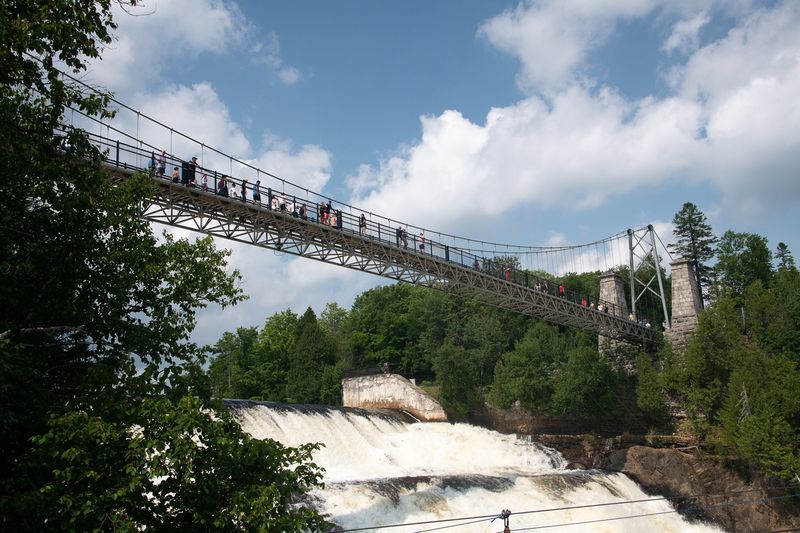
{"x":224,"y":186}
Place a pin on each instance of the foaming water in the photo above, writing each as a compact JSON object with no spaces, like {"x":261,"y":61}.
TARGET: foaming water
{"x":382,"y":470}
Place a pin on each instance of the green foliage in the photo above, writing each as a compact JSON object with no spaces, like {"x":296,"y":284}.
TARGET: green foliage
{"x":583,"y":386}
{"x":742,"y":258}
{"x":695,"y":241}
{"x":761,"y":413}
{"x":740,"y":374}
{"x":585,"y":284}
{"x":772,"y":315}
{"x":459,"y":393}
{"x":252,"y":364}
{"x":650,"y":396}
{"x":784,"y":257}
{"x":101,"y":389}
{"x":380,"y":317}
{"x":711,"y":356}
{"x":179,"y":467}
{"x":525,"y":374}
{"x":311,"y":377}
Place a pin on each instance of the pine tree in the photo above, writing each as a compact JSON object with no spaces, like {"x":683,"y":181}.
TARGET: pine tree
{"x":695,"y":242}
{"x":784,"y":257}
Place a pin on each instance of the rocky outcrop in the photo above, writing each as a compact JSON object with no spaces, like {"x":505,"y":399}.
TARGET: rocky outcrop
{"x":706,"y":489}
{"x":518,"y":420}
{"x":391,"y":391}
{"x":668,"y":465}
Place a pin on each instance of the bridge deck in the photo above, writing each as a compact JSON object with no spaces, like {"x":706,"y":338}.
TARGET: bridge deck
{"x":441,"y":267}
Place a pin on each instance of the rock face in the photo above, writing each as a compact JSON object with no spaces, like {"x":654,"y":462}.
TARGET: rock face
{"x":699,"y":481}
{"x":695,"y":477}
{"x":518,"y":420}
{"x":391,"y":391}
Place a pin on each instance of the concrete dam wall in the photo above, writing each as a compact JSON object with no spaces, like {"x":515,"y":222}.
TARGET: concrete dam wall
{"x":391,"y":391}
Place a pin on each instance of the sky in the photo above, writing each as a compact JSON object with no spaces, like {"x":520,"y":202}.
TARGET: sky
{"x":542,"y":122}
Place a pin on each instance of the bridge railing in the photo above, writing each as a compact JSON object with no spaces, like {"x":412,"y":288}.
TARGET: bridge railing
{"x":136,"y":155}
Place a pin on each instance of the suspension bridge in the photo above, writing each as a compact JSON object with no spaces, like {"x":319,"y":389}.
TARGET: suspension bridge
{"x":214,"y":196}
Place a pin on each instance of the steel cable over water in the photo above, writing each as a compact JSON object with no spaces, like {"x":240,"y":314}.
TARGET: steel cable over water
{"x":483,"y":518}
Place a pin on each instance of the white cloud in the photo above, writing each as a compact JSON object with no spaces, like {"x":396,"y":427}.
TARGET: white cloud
{"x":289,"y":75}
{"x":178,"y":31}
{"x":749,"y":82}
{"x":734,"y":122}
{"x":175,"y":29}
{"x":685,"y":35}
{"x":765,"y":44}
{"x":198,"y":112}
{"x":268,"y":52}
{"x":575,"y":152}
{"x":309,"y":166}
{"x":551,"y":38}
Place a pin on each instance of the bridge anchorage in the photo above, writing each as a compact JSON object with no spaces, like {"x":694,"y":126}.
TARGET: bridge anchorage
{"x":294,"y":220}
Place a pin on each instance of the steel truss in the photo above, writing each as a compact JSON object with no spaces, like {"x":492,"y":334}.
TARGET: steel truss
{"x":642,"y":247}
{"x":205,"y":212}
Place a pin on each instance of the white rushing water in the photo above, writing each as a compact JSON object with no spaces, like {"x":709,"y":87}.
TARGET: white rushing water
{"x":381,"y":471}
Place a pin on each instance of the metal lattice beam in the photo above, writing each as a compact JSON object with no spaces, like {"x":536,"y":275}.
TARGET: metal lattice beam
{"x":205,"y":212}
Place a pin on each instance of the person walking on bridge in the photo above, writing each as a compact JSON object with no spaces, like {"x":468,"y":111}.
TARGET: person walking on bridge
{"x":421,"y":242}
{"x":162,"y":163}
{"x":362,"y":225}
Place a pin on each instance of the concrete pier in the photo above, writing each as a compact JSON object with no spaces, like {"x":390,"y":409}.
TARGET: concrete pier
{"x":391,"y":391}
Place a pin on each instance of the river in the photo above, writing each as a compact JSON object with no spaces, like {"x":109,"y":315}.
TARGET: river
{"x":382,"y":471}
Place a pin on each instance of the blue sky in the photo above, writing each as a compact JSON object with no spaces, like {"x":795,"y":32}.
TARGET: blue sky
{"x":538,"y":122}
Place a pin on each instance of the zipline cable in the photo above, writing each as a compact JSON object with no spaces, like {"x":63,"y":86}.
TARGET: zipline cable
{"x":644,"y":515}
{"x":575,"y":507}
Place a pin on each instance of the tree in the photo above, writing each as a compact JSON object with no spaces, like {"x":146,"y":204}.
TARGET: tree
{"x":311,"y":377}
{"x":103,"y":395}
{"x":525,"y":374}
{"x":650,"y":397}
{"x":253,"y":364}
{"x":229,"y":369}
{"x":583,"y":385}
{"x":784,"y":257}
{"x":761,"y":412}
{"x":742,"y":258}
{"x":456,"y":375}
{"x":695,"y":242}
{"x":710,"y":358}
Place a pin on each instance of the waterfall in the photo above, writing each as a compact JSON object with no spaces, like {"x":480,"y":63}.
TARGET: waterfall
{"x":382,"y":469}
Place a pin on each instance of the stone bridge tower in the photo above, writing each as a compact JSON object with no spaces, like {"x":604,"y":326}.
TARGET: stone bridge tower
{"x":612,"y":291}
{"x":686,"y":303}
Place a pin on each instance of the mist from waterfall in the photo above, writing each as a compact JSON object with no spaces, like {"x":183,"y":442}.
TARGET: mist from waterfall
{"x":382,"y":470}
